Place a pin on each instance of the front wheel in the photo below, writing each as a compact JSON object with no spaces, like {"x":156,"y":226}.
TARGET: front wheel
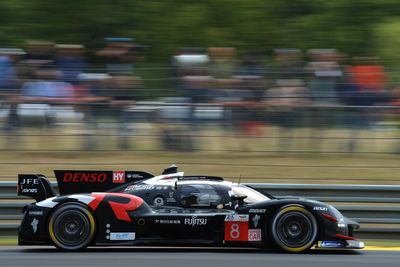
{"x":71,"y":227}
{"x":294,"y":229}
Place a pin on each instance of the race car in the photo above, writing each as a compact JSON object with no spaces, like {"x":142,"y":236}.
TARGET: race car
{"x":108,"y":208}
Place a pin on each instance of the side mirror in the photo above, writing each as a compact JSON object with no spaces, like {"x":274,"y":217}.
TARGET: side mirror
{"x":239,"y":199}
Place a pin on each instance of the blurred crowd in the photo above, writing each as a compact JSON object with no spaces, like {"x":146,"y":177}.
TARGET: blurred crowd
{"x":244,"y":92}
{"x":318,"y":89}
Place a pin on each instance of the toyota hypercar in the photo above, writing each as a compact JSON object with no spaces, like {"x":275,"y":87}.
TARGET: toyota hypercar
{"x":107,"y":208}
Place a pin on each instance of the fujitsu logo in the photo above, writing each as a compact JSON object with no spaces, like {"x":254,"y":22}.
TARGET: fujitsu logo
{"x":119,"y":177}
{"x":195,"y":221}
{"x":79,"y":177}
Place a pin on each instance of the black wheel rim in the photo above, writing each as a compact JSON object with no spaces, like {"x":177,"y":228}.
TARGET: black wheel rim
{"x":71,"y":228}
{"x":294,"y":229}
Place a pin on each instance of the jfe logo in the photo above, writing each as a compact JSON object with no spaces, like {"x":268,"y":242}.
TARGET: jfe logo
{"x":119,"y":177}
{"x":29,"y":181}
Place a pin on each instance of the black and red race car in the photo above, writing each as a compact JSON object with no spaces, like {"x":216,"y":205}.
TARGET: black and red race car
{"x":105,"y":208}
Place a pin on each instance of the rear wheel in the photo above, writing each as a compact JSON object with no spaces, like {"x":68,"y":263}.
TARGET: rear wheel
{"x":294,"y":229}
{"x":71,"y":227}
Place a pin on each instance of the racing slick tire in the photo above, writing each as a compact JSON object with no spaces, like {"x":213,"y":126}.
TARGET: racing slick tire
{"x":294,"y":229}
{"x":71,"y":227}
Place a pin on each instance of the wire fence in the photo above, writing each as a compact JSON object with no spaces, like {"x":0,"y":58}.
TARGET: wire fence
{"x":283,"y":114}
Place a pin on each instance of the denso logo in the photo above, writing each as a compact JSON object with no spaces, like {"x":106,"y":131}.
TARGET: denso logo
{"x":79,"y":177}
{"x":119,"y":177}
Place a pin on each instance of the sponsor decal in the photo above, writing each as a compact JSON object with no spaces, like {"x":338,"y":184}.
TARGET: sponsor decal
{"x":34,"y":225}
{"x":118,"y":177}
{"x":29,"y":181}
{"x":194,"y":221}
{"x":171,"y":197}
{"x":122,"y":236}
{"x":237,"y":218}
{"x":130,"y":175}
{"x":167,"y":221}
{"x":331,"y":244}
{"x":120,"y":209}
{"x":139,"y":187}
{"x":158,"y":201}
{"x":35,"y":213}
{"x":29,"y":190}
{"x":257,"y":210}
{"x":321,"y":208}
{"x":254,"y":234}
{"x":255,"y":220}
{"x":82,"y":177}
{"x":236,"y":230}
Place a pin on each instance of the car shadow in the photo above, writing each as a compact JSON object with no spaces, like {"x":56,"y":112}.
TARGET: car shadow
{"x":152,"y":249}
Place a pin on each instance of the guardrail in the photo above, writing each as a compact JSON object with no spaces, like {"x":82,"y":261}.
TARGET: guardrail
{"x":376,"y":207}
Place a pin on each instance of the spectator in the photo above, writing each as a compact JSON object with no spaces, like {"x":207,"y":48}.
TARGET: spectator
{"x":47,"y":87}
{"x":8,"y":75}
{"x":288,"y":64}
{"x":325,"y":73}
{"x":370,"y":79}
{"x":284,"y":104}
{"x":118,"y":55}
{"x":70,"y":61}
{"x":123,"y":93}
{"x":10,"y":83}
{"x":223,"y":63}
{"x":40,"y":50}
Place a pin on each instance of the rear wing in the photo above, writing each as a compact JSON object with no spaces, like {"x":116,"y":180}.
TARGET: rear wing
{"x":79,"y":181}
{"x":35,"y":186}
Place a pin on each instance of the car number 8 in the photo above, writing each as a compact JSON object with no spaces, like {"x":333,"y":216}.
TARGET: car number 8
{"x":235,"y":231}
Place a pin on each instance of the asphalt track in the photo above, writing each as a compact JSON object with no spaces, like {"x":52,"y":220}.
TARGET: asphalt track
{"x":192,"y":257}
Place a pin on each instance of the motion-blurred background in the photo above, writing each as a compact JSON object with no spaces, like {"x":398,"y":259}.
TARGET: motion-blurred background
{"x":259,"y":90}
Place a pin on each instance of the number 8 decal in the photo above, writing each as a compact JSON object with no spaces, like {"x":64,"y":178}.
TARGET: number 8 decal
{"x":236,"y":228}
{"x":235,"y":231}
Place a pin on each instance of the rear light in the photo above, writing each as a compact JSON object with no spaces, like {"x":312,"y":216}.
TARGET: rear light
{"x":345,"y":237}
{"x":329,"y":217}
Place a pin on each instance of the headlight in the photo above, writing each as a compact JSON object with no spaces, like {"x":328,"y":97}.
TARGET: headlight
{"x":337,"y":215}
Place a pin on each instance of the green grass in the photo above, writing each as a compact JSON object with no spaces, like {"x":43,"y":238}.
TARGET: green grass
{"x":8,"y":241}
{"x":382,"y":243}
{"x":278,"y":168}
{"x":214,"y":158}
